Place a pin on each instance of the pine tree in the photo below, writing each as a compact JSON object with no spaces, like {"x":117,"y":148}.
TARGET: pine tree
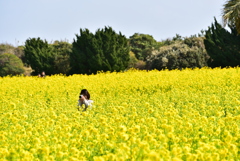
{"x":222,"y":46}
{"x":103,"y":51}
{"x":39,"y":55}
{"x":62,"y":52}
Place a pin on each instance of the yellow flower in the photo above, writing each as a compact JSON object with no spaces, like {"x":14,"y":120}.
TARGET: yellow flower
{"x":153,"y":156}
{"x":176,"y":159}
{"x":136,"y":129}
{"x":60,"y":154}
{"x":36,"y":141}
{"x":148,"y":137}
{"x":162,"y":138}
{"x":3,"y":152}
{"x":144,"y":145}
{"x":98,"y":158}
{"x":122,"y":128}
{"x":73,"y":159}
{"x":185,"y":118}
{"x":111,"y":156}
{"x":215,"y":156}
{"x":64,"y":147}
{"x":12,"y":106}
{"x":150,"y":110}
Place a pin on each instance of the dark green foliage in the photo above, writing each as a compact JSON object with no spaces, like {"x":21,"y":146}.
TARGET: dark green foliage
{"x":10,"y":65}
{"x":62,"y":52}
{"x":222,"y":46}
{"x":103,"y":51}
{"x":142,"y":45}
{"x":182,"y":53}
{"x":39,"y":55}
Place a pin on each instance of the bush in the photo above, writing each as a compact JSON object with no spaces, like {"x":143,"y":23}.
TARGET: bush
{"x":188,"y":53}
{"x":8,"y":48}
{"x":132,"y":60}
{"x":10,"y":65}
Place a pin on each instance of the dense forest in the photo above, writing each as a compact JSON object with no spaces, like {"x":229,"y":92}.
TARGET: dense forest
{"x":106,"y":50}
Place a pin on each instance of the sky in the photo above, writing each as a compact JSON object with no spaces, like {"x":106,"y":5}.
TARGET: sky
{"x":62,"y":19}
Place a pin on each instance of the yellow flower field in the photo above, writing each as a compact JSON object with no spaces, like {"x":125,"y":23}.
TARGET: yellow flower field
{"x":136,"y":115}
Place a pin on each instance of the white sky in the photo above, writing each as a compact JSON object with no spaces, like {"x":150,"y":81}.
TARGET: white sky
{"x":62,"y":19}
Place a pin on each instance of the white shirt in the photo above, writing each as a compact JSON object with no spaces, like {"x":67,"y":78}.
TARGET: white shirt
{"x":86,"y":103}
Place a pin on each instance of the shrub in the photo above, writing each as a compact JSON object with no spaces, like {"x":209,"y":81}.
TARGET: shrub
{"x":188,"y":53}
{"x":10,"y":65}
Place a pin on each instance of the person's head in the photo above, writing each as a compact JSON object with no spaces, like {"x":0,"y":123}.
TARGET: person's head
{"x":85,"y":93}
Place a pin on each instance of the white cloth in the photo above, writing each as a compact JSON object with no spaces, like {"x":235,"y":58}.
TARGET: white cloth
{"x":87,"y":103}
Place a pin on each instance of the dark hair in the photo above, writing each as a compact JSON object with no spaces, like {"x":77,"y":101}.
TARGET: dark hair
{"x":85,"y":93}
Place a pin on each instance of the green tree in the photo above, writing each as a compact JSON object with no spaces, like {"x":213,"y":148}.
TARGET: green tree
{"x":231,"y":14}
{"x":10,"y":65}
{"x":62,"y":52}
{"x":222,"y":46}
{"x":142,"y":45}
{"x":39,"y":55}
{"x":103,"y":51}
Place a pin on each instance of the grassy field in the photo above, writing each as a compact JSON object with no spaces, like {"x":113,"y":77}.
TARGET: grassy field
{"x":136,"y":115}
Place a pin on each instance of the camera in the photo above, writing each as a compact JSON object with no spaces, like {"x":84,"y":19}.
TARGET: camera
{"x":80,"y":96}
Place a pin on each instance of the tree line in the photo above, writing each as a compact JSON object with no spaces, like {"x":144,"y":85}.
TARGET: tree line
{"x":106,"y":50}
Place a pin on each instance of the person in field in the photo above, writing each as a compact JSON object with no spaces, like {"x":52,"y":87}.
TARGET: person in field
{"x":43,"y":74}
{"x":84,"y":99}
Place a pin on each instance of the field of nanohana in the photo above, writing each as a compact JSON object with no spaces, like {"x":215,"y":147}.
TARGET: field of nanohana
{"x":136,"y":115}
